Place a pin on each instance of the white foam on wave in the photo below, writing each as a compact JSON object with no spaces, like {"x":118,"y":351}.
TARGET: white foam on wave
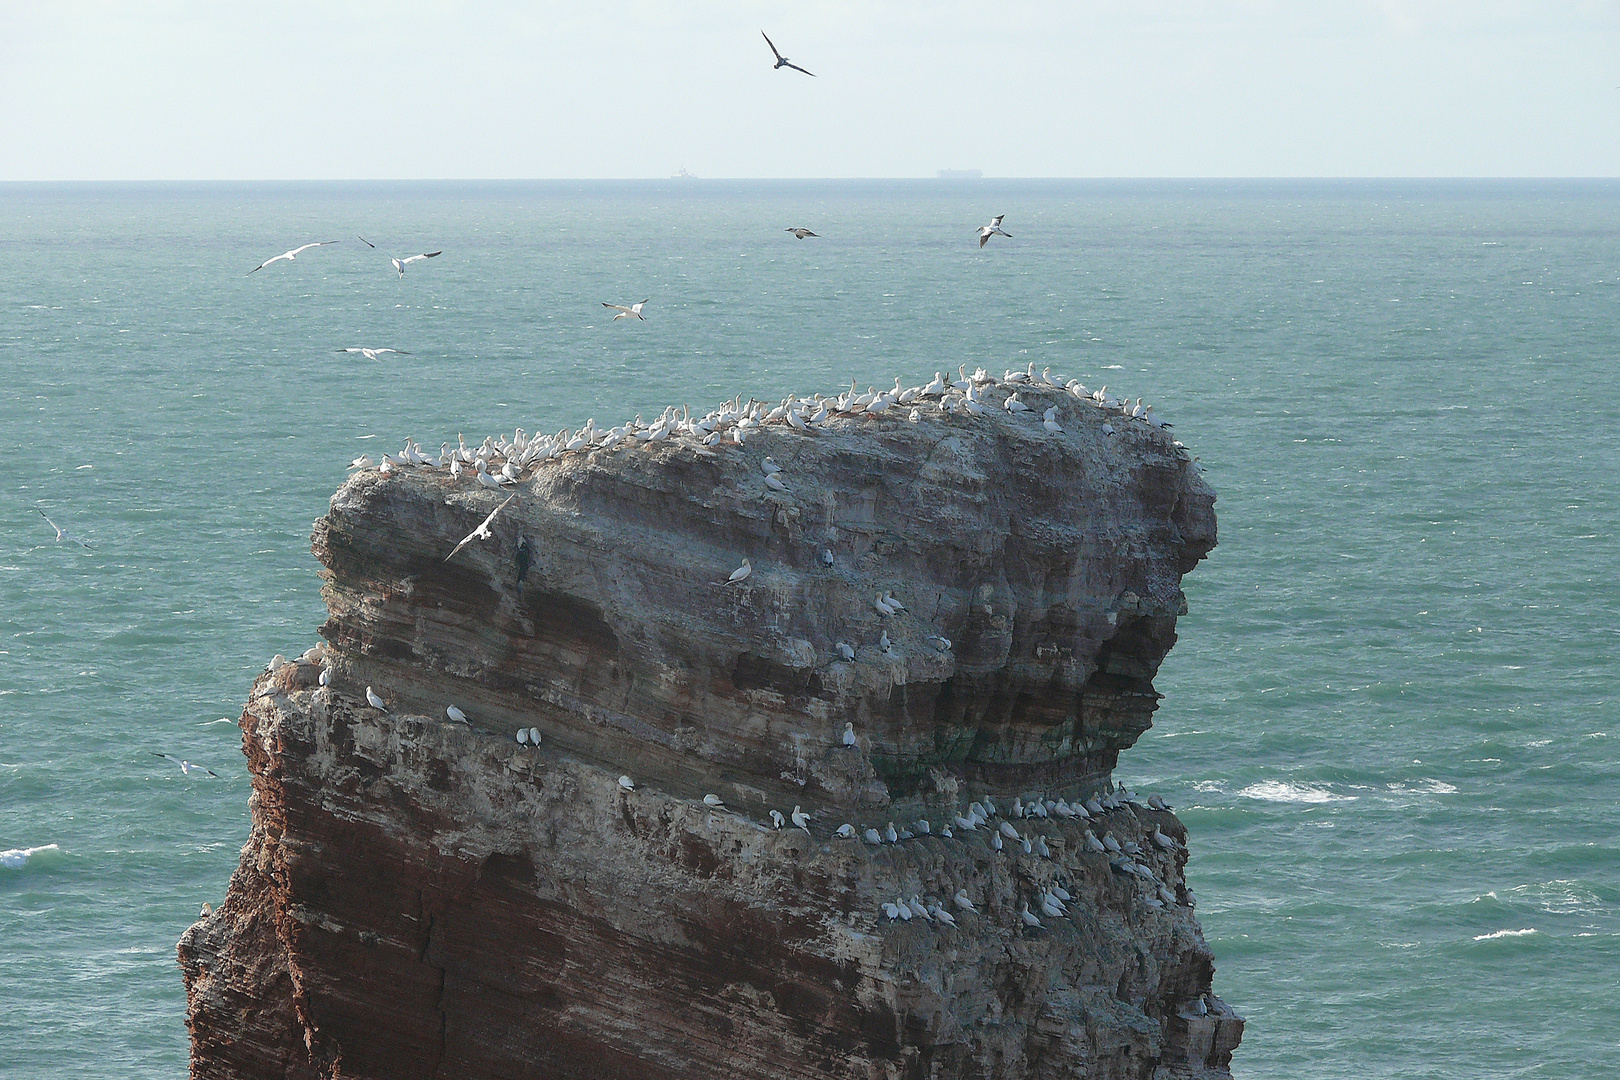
{"x":1277,"y":791}
{"x":1425,"y":786}
{"x":16,"y":858}
{"x":1506,"y":934}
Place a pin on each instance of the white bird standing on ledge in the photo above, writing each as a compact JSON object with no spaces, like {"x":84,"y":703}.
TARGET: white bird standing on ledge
{"x":627,"y":783}
{"x":374,"y":701}
{"x":800,"y":819}
{"x":739,"y":574}
{"x":849,"y":733}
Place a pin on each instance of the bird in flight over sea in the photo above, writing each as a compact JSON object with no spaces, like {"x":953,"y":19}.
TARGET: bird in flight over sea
{"x":782,"y":61}
{"x":290,"y":255}
{"x":482,"y":532}
{"x":800,"y":232}
{"x":372,"y":354}
{"x":627,"y":312}
{"x":992,"y":229}
{"x":187,"y":766}
{"x":61,"y":533}
{"x":400,"y":264}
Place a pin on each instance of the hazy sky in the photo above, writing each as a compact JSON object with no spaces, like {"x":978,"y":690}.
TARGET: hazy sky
{"x":221,"y":89}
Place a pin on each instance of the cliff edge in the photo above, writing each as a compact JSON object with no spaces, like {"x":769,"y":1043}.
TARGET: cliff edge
{"x":967,"y":893}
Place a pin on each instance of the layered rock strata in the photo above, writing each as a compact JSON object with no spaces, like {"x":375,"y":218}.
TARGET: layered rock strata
{"x":424,"y":898}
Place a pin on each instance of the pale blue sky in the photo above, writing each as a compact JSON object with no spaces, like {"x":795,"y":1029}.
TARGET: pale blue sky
{"x":406,"y":89}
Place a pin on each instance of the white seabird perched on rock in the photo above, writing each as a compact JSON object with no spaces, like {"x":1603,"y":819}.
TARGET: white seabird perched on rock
{"x":890,"y":834}
{"x":326,"y":677}
{"x":1008,"y":830}
{"x":800,"y":819}
{"x":849,"y":733}
{"x":523,"y":736}
{"x":534,"y":736}
{"x":455,"y":714}
{"x":627,"y":784}
{"x":374,"y":701}
{"x":774,"y":482}
{"x":904,"y":908}
{"x":1029,"y":919}
{"x":847,"y":651}
{"x":883,"y":641}
{"x":769,"y":466}
{"x":739,"y":574}
{"x":892,"y":910}
{"x":941,"y":915}
{"x":917,"y":908}
{"x":963,"y":902}
{"x":846,"y":830}
{"x":777,"y":820}
{"x":995,"y":841}
{"x":714,"y":801}
{"x":871,"y":837}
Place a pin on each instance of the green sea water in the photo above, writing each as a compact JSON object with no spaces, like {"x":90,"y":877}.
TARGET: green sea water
{"x":1390,"y":721}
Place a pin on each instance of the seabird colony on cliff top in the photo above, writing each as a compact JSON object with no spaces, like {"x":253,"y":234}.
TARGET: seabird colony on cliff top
{"x":502,"y":462}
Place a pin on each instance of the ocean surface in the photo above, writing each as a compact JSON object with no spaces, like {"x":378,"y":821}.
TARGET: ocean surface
{"x":1390,"y":722}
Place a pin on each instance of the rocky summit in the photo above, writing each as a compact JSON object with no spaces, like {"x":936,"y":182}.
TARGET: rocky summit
{"x":775,"y":743}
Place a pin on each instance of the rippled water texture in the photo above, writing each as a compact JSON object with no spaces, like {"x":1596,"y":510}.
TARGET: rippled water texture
{"x":1390,"y":722}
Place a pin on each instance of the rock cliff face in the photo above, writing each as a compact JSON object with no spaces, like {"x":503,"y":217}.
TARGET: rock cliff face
{"x":424,"y":898}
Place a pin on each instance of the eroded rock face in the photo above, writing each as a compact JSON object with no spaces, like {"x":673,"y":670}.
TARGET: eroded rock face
{"x":424,"y":898}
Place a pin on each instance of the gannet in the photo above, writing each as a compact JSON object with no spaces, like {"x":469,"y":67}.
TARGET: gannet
{"x":901,"y":906}
{"x":941,"y":915}
{"x":995,"y":841}
{"x":846,"y":830}
{"x":882,"y":606}
{"x":849,"y":733}
{"x":782,"y":62}
{"x":917,"y":908}
{"x":455,"y":714}
{"x":883,"y":641}
{"x":374,"y":701}
{"x":372,"y":354}
{"x":362,"y":462}
{"x":480,"y":533}
{"x":326,"y":677}
{"x":777,"y":820}
{"x":1008,"y":831}
{"x":890,"y":834}
{"x":774,"y":482}
{"x":892,"y":910}
{"x":992,"y":229}
{"x":845,"y":650}
{"x":1157,"y":803}
{"x":634,"y":310}
{"x":894,"y":605}
{"x":800,"y":819}
{"x":739,"y":574}
{"x":1040,"y":847}
{"x":871,"y":836}
{"x":963,"y":902}
{"x":1050,"y":908}
{"x":627,"y":784}
{"x":523,"y":736}
{"x":187,"y":766}
{"x":799,"y":232}
{"x":945,"y":831}
{"x":1111,"y":844}
{"x":534,"y":736}
{"x":922,"y":826}
{"x":1050,"y":423}
{"x":714,"y":801}
{"x":1013,"y":405}
{"x":61,"y":533}
{"x":290,"y":255}
{"x":826,"y":557}
{"x":1029,"y":920}
{"x":1163,"y":841}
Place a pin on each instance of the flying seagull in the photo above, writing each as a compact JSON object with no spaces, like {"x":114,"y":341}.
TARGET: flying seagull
{"x":372,"y":354}
{"x":800,"y":232}
{"x":61,"y":533}
{"x":400,"y":264}
{"x":994,"y":228}
{"x":293,"y":254}
{"x":187,"y":766}
{"x":782,"y":61}
{"x":482,"y":532}
{"x":626,"y":312}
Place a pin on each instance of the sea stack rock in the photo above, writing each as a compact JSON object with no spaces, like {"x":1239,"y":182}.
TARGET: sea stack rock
{"x":421,"y":898}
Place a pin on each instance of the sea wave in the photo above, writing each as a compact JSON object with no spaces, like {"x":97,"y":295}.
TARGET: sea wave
{"x":1277,"y":791}
{"x":17,"y":858}
{"x":1506,"y":934}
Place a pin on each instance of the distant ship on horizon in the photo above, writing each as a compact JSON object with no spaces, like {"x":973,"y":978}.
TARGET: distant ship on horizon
{"x":961,"y":174}
{"x":683,"y":175}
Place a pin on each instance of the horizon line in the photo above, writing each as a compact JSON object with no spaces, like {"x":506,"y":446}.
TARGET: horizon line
{"x":690,"y":178}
